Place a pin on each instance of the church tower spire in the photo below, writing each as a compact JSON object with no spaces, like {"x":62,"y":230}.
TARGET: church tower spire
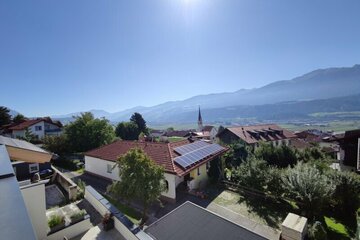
{"x":200,"y":122}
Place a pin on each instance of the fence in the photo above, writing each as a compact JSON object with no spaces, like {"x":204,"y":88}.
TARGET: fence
{"x":69,"y":186}
{"x":123,"y":225}
{"x":251,"y":191}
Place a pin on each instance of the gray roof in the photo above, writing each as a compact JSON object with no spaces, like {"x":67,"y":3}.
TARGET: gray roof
{"x":12,"y":142}
{"x":190,"y":221}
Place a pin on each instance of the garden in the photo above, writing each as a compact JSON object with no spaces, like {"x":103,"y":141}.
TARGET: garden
{"x":272,"y":181}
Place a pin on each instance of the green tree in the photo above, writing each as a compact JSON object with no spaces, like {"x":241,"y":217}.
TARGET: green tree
{"x":5,"y":117}
{"x":347,"y":192}
{"x":127,"y":131}
{"x":19,"y":118}
{"x":252,"y":173}
{"x":238,"y":152}
{"x":87,"y":132}
{"x":141,"y":179}
{"x":57,"y":144}
{"x":29,"y":136}
{"x":281,"y":156}
{"x":140,"y":122}
{"x":306,"y":184}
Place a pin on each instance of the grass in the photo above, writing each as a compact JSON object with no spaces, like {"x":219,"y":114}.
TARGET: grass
{"x":263,"y":211}
{"x":336,"y":230}
{"x":175,"y":139}
{"x":80,"y":171}
{"x":128,"y":211}
{"x":332,"y":125}
{"x":336,"y":114}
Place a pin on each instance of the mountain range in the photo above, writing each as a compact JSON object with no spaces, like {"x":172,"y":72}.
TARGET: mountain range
{"x":323,"y":90}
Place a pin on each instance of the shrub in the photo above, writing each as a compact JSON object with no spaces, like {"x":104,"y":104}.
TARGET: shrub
{"x":317,"y":231}
{"x":306,"y":184}
{"x":251,"y":173}
{"x":55,"y":220}
{"x":282,"y":156}
{"x":78,"y":214}
{"x":274,"y":182}
{"x":347,"y":191}
{"x":81,"y":189}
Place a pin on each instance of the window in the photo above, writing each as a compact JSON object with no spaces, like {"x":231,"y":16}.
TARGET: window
{"x":166,"y":185}
{"x":198,"y":171}
{"x":34,"y":167}
{"x":38,"y":128}
{"x":109,"y":168}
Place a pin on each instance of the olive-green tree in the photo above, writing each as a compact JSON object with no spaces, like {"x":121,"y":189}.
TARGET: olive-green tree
{"x":127,"y":131}
{"x":5,"y":117}
{"x":306,"y":184}
{"x":87,"y":132}
{"x":141,"y":179}
{"x":138,"y":119}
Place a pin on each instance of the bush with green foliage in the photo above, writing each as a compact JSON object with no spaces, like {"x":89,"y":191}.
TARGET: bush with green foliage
{"x":81,"y":189}
{"x":214,"y":171}
{"x":252,"y":174}
{"x":346,"y":199}
{"x":138,"y":119}
{"x":306,"y":184}
{"x":56,"y":220}
{"x":78,"y":214}
{"x":238,"y":152}
{"x":127,"y":131}
{"x":87,"y":132}
{"x":5,"y":117}
{"x":280,"y":156}
{"x":57,"y":144}
{"x":317,"y":231}
{"x":141,"y":179}
{"x":274,"y":181}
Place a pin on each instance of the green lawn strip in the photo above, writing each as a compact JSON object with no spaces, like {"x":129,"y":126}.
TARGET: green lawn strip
{"x":128,"y":211}
{"x":336,"y":228}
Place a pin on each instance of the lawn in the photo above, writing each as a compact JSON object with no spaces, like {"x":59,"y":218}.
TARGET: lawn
{"x":263,"y":211}
{"x":336,"y":230}
{"x":332,"y":125}
{"x":128,"y":211}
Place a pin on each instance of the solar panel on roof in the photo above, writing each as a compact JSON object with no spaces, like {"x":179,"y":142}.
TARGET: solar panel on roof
{"x":190,"y":147}
{"x":195,"y":156}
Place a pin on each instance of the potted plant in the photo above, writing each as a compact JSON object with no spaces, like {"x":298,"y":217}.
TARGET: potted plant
{"x":77,"y":216}
{"x":108,"y":222}
{"x":56,"y":222}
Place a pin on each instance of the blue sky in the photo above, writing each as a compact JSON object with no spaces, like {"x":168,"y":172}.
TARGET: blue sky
{"x":64,"y":56}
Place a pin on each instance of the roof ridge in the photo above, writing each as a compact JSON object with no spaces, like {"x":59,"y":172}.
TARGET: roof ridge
{"x":171,"y":158}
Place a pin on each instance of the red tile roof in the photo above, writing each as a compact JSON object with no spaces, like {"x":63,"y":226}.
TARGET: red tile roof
{"x":250,"y":136}
{"x":161,"y":153}
{"x":27,"y":123}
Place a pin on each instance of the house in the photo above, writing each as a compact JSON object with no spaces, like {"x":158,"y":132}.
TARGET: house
{"x":185,"y":162}
{"x":40,"y":127}
{"x":254,"y":134}
{"x":207,"y":133}
{"x":190,"y":221}
{"x":349,"y":153}
{"x":23,"y":205}
{"x":27,"y":159}
{"x":177,"y":133}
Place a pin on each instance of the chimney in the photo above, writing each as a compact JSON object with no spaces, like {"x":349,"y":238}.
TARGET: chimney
{"x":294,"y":227}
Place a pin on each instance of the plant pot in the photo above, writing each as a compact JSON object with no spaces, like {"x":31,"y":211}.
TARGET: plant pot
{"x":57,"y":227}
{"x":108,"y":225}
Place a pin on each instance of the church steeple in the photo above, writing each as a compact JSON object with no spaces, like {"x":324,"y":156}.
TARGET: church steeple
{"x":200,"y":122}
